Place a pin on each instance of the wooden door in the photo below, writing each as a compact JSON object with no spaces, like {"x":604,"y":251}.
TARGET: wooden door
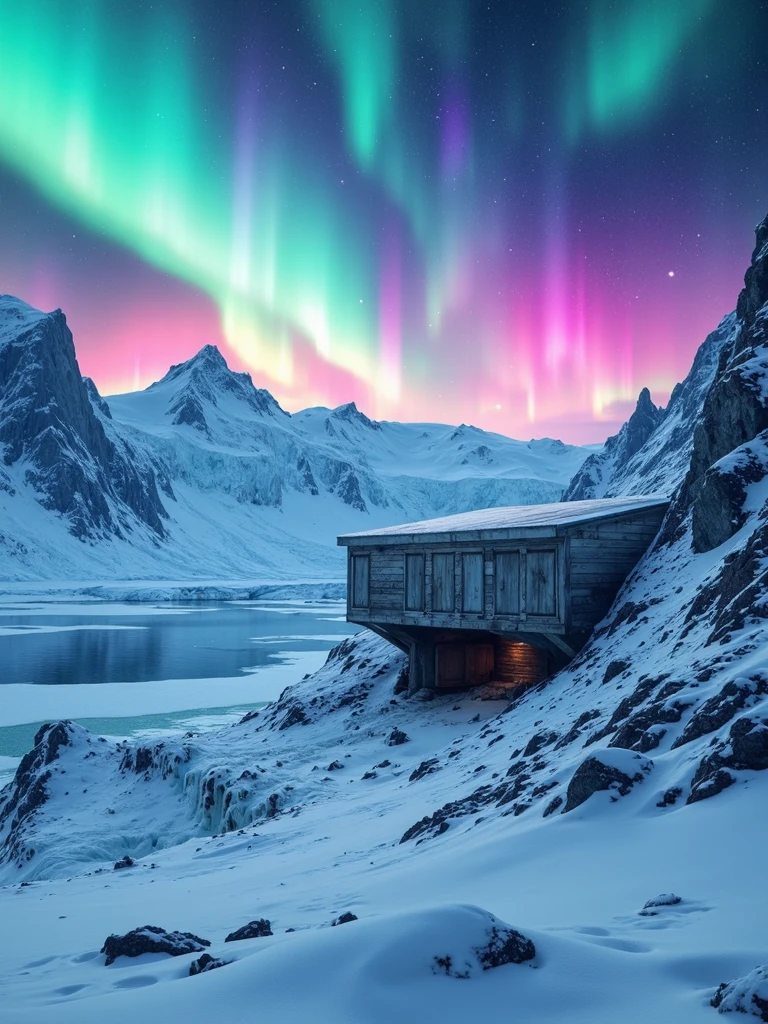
{"x":414,"y":583}
{"x":541,"y":583}
{"x":443,"y":597}
{"x":450,"y":664}
{"x":478,"y":664}
{"x":361,"y":581}
{"x":472,"y":582}
{"x":507,"y":583}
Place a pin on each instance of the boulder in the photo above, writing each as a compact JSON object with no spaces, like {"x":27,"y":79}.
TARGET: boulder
{"x":206,"y":963}
{"x":602,"y":771}
{"x":396,"y":738}
{"x":505,"y":945}
{"x":151,"y":939}
{"x":344,"y":918}
{"x":652,"y":907}
{"x":747,"y":995}
{"x":253,"y":930}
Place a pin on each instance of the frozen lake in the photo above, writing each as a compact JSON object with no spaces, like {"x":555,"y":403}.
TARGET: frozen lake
{"x":128,"y":669}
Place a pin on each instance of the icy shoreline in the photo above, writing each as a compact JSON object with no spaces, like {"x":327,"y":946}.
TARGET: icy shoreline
{"x":156,"y":591}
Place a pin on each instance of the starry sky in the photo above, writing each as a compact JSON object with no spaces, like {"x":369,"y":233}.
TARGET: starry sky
{"x":514,"y":214}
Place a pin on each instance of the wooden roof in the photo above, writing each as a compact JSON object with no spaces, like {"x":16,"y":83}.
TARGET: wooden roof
{"x":503,"y":523}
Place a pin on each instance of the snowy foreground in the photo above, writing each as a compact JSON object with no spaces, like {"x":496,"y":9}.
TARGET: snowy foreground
{"x":560,"y":814}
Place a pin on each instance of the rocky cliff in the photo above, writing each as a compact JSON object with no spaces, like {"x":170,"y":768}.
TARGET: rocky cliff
{"x":50,"y":434}
{"x":652,"y":451}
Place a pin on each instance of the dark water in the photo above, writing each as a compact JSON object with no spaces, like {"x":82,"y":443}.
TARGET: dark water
{"x":218,"y":640}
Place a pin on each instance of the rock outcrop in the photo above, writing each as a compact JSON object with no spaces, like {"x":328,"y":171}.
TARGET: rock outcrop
{"x":651,"y":452}
{"x":48,"y":425}
{"x":729,"y":449}
{"x":151,"y":939}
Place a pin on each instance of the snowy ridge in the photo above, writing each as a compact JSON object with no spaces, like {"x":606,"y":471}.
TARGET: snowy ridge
{"x":204,"y":475}
{"x":652,"y":450}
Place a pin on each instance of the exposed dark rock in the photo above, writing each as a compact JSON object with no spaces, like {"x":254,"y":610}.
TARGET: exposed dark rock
{"x":151,"y":939}
{"x":505,"y":946}
{"x":206,"y":963}
{"x":746,"y":749}
{"x":576,"y":729}
{"x":396,"y":738}
{"x":708,"y":780}
{"x":295,"y":716}
{"x":599,"y":471}
{"x":344,"y":918}
{"x":47,"y":420}
{"x":670,"y":797}
{"x":593,"y":776}
{"x":425,"y":768}
{"x":746,"y":995}
{"x":614,"y":668}
{"x":640,"y":731}
{"x":538,"y":741}
{"x":28,"y":792}
{"x":652,"y":907}
{"x":348,"y":490}
{"x":259,"y":929}
{"x":552,"y":806}
{"x":334,"y":766}
{"x":733,"y":414}
{"x":124,"y":862}
{"x":718,"y":710}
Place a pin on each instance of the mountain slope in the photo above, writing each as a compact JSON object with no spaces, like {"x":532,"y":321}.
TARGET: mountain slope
{"x":203,"y":475}
{"x":54,"y":444}
{"x":653,"y":448}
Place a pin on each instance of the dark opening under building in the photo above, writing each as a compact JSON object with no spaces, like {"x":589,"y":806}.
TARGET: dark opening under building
{"x":503,"y":595}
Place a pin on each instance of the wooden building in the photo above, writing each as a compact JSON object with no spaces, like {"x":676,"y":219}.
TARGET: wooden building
{"x":503,"y":595}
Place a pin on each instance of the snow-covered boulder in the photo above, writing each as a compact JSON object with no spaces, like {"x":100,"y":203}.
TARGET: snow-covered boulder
{"x":616,"y":771}
{"x":747,"y":995}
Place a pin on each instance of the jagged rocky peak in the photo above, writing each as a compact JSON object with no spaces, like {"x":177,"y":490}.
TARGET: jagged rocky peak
{"x":47,"y":422}
{"x":597,"y":475}
{"x":206,"y":377}
{"x":352,"y":414}
{"x":729,"y":449}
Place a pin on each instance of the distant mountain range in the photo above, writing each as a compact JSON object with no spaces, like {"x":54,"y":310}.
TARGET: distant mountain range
{"x":203,"y":475}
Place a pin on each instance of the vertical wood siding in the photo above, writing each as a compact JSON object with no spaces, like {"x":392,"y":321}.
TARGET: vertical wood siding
{"x":443,"y":596}
{"x":472,"y":588}
{"x":414,"y":583}
{"x":541,"y":583}
{"x":361,"y":577}
{"x":507,"y":596}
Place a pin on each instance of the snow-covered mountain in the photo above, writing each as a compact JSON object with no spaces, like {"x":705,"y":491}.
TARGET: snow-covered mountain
{"x":651,"y":452}
{"x":591,"y":850}
{"x":204,"y":475}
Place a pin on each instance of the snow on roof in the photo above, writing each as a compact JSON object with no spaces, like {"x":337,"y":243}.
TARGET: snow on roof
{"x":559,"y":513}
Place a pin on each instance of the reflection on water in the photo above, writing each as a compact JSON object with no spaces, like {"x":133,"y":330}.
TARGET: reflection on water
{"x":55,"y":644}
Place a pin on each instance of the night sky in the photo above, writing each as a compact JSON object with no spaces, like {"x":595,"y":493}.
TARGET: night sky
{"x":512,"y":214}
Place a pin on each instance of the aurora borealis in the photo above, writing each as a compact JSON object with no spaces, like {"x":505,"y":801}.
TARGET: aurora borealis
{"x":514,"y":214}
